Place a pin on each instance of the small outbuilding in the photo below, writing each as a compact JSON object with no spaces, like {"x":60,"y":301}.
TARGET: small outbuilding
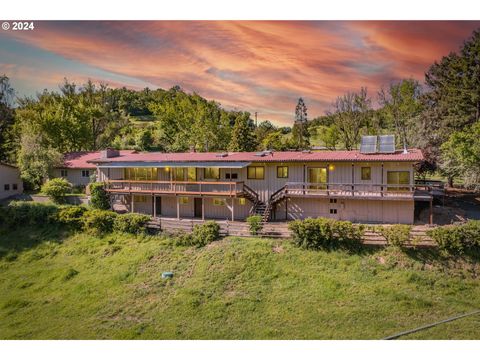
{"x":10,"y":182}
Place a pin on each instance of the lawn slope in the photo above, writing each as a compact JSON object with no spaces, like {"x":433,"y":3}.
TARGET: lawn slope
{"x":55,"y":285}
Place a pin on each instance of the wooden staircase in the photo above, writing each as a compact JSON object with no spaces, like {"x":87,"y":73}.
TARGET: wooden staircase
{"x":275,"y":198}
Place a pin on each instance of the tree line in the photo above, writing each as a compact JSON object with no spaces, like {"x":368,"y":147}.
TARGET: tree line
{"x":440,"y":116}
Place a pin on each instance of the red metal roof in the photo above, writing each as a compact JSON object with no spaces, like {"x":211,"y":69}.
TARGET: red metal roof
{"x":413,"y":155}
{"x":81,"y":159}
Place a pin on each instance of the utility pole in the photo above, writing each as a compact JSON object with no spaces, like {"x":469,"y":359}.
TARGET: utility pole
{"x":256,"y":119}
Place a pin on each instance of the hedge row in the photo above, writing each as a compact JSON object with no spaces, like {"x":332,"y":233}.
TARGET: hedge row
{"x":325,"y":233}
{"x":93,"y":221}
{"x":457,"y":239}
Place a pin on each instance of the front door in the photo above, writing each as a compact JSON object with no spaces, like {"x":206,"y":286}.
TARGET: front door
{"x":198,"y":207}
{"x":317,"y":176}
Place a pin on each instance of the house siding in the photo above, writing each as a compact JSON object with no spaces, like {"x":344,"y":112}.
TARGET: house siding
{"x":9,"y":176}
{"x":74,"y":176}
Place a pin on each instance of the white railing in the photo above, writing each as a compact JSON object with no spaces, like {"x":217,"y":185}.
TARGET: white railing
{"x":349,"y":190}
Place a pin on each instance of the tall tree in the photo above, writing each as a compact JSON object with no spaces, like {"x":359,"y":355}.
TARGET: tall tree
{"x":452,"y":99}
{"x":300,"y":134}
{"x":7,"y":117}
{"x":243,"y":138}
{"x":402,"y":107}
{"x":352,"y":112}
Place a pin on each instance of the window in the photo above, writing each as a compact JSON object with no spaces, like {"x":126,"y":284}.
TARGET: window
{"x":366,"y":173}
{"x":140,"y":198}
{"x":398,"y":178}
{"x":183,"y":200}
{"x":85,"y":173}
{"x":317,"y":177}
{"x":256,"y":172}
{"x":192,"y":174}
{"x":179,"y":174}
{"x":242,"y":201}
{"x":211,"y":173}
{"x":140,"y":174}
{"x":233,"y":177}
{"x":219,"y":202}
{"x":63,"y":173}
{"x":282,"y":171}
{"x":333,"y":211}
{"x":14,"y":186}
{"x":6,"y":187}
{"x":333,"y":201}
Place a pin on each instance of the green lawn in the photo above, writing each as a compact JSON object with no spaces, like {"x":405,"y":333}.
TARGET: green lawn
{"x":54,"y":285}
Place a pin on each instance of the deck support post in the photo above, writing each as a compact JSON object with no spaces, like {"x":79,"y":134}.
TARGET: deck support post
{"x":233,"y":209}
{"x":286,"y":208}
{"x":154,"y":206}
{"x":203,"y":208}
{"x":131,"y":202}
{"x":430,"y":217}
{"x":178,"y":208}
{"x":353,"y":179}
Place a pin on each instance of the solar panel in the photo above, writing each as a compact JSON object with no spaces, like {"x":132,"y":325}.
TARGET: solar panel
{"x":386,"y":143}
{"x":368,"y":145}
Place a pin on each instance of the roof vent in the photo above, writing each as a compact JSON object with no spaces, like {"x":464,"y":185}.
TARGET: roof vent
{"x":222,"y":155}
{"x":307,"y":151}
{"x":263,"y":153}
{"x":109,"y":153}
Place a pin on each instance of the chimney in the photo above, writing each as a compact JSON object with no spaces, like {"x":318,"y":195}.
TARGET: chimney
{"x":109,"y":153}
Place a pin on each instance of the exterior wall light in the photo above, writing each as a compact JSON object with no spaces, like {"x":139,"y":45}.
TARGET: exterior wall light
{"x":331,"y":167}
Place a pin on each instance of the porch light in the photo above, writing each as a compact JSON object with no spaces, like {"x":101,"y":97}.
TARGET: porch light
{"x":167,"y":169}
{"x":331,"y":167}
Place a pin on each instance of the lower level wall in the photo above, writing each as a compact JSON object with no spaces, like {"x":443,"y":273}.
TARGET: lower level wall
{"x":364,"y":211}
{"x":167,"y":207}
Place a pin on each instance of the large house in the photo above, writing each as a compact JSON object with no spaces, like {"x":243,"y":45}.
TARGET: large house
{"x":76,"y":167}
{"x":347,"y":185}
{"x":10,"y":182}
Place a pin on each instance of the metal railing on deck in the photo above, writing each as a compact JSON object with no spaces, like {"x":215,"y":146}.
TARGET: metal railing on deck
{"x":349,"y":190}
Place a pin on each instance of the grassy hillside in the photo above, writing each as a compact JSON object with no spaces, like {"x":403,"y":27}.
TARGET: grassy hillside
{"x":56,"y":285}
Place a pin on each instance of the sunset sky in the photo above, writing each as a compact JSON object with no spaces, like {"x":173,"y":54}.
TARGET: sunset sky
{"x":245,"y":65}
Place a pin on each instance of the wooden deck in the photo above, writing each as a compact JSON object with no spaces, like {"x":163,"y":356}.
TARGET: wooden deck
{"x":194,"y":188}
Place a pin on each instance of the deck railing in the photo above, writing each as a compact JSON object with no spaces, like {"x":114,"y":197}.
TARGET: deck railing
{"x":227,"y":188}
{"x":349,"y":190}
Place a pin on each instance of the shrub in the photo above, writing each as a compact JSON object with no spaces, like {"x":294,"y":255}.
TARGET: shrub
{"x":131,"y":223}
{"x":71,"y":216}
{"x":98,"y":222}
{"x":457,"y":239}
{"x":205,"y":233}
{"x":396,"y":235}
{"x":255,"y":223}
{"x":56,"y":189}
{"x":325,"y":233}
{"x":20,"y":213}
{"x":99,"y":198}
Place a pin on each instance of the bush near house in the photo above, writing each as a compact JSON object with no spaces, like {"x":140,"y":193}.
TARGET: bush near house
{"x":131,"y":223}
{"x":21,"y":213}
{"x":99,"y":222}
{"x":325,"y":233}
{"x":56,"y":189}
{"x":395,"y":235}
{"x":98,"y":196}
{"x":201,"y":235}
{"x":457,"y":239}
{"x":255,"y":223}
{"x":71,"y":216}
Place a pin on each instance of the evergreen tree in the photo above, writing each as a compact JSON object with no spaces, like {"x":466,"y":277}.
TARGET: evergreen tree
{"x":300,"y":134}
{"x":243,"y":136}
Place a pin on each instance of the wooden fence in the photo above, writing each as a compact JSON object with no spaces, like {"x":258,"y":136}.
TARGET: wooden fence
{"x":418,"y":234}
